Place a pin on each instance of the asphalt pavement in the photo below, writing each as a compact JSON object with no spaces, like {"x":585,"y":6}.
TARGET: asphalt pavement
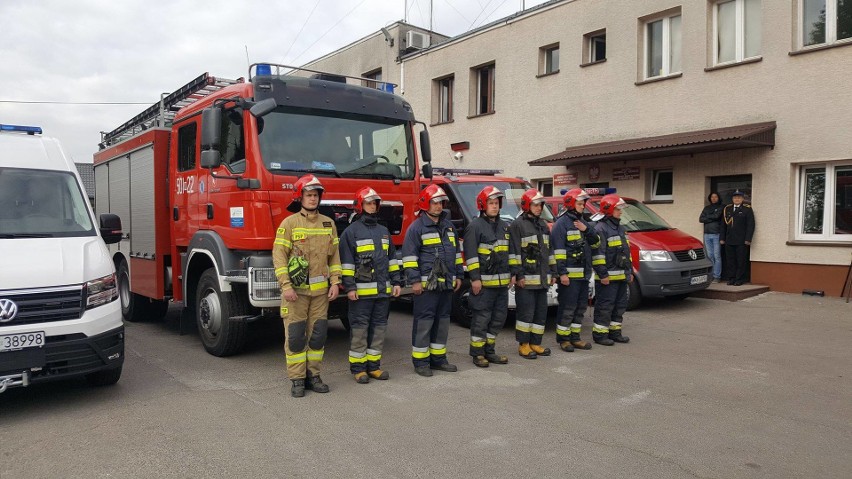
{"x":705,"y":388}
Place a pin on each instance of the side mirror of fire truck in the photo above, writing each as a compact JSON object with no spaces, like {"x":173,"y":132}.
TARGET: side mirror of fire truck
{"x":263,"y":107}
{"x":110,"y":226}
{"x":426,"y":154}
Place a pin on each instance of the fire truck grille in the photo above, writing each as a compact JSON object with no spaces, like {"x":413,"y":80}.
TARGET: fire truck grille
{"x":685,"y":256}
{"x":45,"y":305}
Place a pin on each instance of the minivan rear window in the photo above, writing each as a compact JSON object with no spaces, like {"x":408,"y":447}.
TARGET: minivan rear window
{"x":42,"y":203}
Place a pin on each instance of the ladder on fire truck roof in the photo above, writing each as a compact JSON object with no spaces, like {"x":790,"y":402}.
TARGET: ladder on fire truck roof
{"x":163,"y":112}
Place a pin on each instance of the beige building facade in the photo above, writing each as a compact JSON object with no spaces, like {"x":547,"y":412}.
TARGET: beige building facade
{"x":748,"y":94}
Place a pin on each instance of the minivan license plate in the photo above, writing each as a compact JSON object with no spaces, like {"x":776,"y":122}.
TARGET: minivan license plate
{"x":12,"y":342}
{"x":698,"y":279}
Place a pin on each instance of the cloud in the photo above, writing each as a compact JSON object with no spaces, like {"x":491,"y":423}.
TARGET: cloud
{"x":131,"y":51}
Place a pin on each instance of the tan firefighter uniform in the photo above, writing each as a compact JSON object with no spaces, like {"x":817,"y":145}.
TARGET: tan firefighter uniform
{"x":313,"y":237}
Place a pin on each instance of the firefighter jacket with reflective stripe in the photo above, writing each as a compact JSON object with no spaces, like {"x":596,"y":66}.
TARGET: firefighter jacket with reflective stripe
{"x":530,"y":256}
{"x":612,"y":258}
{"x":427,"y":240}
{"x":486,"y":251}
{"x":313,"y":237}
{"x":573,"y":248}
{"x":368,"y":259}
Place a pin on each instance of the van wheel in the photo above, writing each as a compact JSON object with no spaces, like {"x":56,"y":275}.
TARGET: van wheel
{"x":213,"y":310}
{"x":635,"y":295}
{"x":461,"y":312}
{"x":106,"y":377}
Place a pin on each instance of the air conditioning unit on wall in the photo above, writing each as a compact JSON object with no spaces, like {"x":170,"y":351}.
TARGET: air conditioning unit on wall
{"x":416,"y":40}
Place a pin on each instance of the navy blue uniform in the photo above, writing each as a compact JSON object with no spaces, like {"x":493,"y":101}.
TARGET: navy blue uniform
{"x":426,"y":243}
{"x":611,"y":260}
{"x":572,"y":249}
{"x":486,"y":252}
{"x":371,"y":269}
{"x":530,"y":260}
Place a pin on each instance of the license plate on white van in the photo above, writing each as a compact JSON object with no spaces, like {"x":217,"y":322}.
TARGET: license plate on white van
{"x":698,"y":279}
{"x":12,"y":342}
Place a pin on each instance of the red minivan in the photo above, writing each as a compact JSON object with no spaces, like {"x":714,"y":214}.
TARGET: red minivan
{"x":666,"y":261}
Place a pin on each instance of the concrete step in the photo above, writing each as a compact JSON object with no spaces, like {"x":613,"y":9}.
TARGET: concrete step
{"x":731,"y":293}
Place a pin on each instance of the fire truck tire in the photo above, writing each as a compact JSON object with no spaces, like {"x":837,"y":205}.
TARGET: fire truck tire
{"x":635,"y":295}
{"x":107,"y":377}
{"x":213,"y":308}
{"x":461,"y":312}
{"x":134,"y":307}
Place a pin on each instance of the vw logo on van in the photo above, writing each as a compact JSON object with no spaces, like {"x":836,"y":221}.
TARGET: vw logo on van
{"x":8,"y":310}
{"x":693,"y":254}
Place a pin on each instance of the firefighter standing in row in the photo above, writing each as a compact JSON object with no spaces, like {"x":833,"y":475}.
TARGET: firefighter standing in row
{"x":307,"y":262}
{"x":431,"y":258}
{"x":371,"y":275}
{"x":614,"y":270}
{"x":574,"y":239}
{"x":533,"y":268}
{"x":486,"y":252}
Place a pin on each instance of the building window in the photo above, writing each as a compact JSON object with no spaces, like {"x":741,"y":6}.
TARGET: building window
{"x":737,"y":29}
{"x":825,"y":202}
{"x":376,"y":77}
{"x":186,"y":147}
{"x":662,"y":46}
{"x":444,"y":108}
{"x":549,"y":59}
{"x":483,"y":90}
{"x":594,"y":46}
{"x":661,"y":190}
{"x":825,"y":21}
{"x":545,"y":187}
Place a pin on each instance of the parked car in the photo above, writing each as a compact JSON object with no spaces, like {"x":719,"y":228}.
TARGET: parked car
{"x":666,"y":261}
{"x":59,"y":311}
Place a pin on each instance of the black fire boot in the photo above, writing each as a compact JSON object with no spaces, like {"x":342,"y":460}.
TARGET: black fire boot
{"x":492,"y":356}
{"x":602,"y":339}
{"x":315,"y":384}
{"x":446,"y":367}
{"x":618,"y":337}
{"x":424,"y":371}
{"x":298,"y":388}
{"x":480,"y":361}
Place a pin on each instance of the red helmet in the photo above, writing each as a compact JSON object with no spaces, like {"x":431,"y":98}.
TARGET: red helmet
{"x":610,"y":203}
{"x":486,"y":194}
{"x":571,"y":197}
{"x":530,"y":197}
{"x":431,"y":193}
{"x":366,"y":194}
{"x":308,"y":183}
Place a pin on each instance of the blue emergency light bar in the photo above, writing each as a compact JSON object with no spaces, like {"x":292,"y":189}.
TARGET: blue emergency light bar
{"x":465,"y":171}
{"x":30,"y":130}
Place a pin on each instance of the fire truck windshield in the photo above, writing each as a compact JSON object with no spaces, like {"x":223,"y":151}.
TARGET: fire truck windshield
{"x":338,"y":144}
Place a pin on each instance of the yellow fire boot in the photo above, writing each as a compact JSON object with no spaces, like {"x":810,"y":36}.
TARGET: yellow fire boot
{"x":361,"y":378}
{"x":540,"y":350}
{"x":379,"y":374}
{"x":526,"y":352}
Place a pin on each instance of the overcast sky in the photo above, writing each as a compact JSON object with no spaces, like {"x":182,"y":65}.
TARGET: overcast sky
{"x":132,"y":50}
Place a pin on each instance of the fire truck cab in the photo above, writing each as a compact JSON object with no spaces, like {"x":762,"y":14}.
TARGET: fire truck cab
{"x":203,"y":178}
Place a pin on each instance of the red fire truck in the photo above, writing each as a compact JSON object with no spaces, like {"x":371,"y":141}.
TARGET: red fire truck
{"x":202,"y":179}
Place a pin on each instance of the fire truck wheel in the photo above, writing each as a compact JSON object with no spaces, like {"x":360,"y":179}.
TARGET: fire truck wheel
{"x":213,"y":309}
{"x":461,"y":312}
{"x":135,"y":307}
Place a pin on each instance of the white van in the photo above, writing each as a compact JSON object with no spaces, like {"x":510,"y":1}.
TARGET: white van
{"x":59,"y":314}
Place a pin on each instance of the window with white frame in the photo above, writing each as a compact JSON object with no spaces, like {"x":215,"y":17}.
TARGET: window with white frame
{"x":661,"y":189}
{"x":825,"y":21}
{"x":445,"y":99}
{"x":594,"y":47}
{"x":825,"y":202}
{"x":662,"y":46}
{"x":737,"y":30}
